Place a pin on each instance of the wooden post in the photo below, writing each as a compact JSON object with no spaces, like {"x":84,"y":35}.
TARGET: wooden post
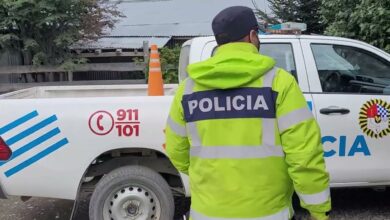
{"x":41,"y":77}
{"x":70,"y":76}
{"x":61,"y":77}
{"x":29,"y":77}
{"x":146,"y":57}
{"x":50,"y":77}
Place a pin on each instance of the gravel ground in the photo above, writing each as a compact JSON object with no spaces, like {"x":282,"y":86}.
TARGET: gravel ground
{"x":35,"y":209}
{"x":348,"y":204}
{"x":357,"y":204}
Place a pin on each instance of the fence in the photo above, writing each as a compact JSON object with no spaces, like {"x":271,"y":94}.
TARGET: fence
{"x":82,"y":74}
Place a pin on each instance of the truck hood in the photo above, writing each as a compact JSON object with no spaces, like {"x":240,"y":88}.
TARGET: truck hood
{"x":233,"y":65}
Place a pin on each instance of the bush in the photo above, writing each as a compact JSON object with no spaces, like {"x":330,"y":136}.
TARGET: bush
{"x":170,"y":63}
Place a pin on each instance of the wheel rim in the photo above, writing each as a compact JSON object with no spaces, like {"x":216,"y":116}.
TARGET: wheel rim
{"x":132,"y":202}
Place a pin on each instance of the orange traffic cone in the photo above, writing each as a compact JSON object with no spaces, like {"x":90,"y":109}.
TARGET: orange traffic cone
{"x":156,"y":83}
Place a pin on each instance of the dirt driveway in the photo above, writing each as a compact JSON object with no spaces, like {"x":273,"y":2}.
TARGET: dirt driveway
{"x":347,"y":204}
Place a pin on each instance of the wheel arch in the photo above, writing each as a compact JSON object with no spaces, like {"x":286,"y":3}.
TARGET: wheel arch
{"x":142,"y":156}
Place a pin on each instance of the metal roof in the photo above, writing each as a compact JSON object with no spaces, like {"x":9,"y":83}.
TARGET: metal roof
{"x":174,"y":29}
{"x":156,"y":21}
{"x":173,"y":18}
{"x":121,"y":43}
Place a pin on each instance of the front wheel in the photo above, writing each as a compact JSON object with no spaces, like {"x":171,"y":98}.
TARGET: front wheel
{"x":132,"y":193}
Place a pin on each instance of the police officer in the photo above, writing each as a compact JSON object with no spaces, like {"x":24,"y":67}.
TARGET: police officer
{"x":242,"y":130}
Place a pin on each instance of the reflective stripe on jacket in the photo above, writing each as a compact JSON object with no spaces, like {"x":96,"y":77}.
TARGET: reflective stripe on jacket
{"x":243,"y":132}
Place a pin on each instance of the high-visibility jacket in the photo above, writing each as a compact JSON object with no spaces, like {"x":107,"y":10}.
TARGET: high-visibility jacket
{"x":242,"y":130}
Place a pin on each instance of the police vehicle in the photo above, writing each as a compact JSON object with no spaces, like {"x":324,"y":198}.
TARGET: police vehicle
{"x":347,"y":87}
{"x":60,"y":142}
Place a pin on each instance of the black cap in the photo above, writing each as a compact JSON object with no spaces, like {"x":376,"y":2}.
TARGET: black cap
{"x":233,"y":24}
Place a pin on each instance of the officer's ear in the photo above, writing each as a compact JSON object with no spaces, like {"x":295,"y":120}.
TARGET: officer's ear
{"x":252,"y":34}
{"x":254,"y":38}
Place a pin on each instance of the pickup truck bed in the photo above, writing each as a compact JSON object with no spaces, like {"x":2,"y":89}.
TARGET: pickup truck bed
{"x":84,"y":91}
{"x":84,"y":123}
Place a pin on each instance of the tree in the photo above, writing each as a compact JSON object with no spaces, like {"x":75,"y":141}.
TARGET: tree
{"x":306,"y":11}
{"x":44,"y":30}
{"x":285,"y":10}
{"x":366,"y":20}
{"x":170,"y":63}
{"x":263,"y":16}
{"x":309,"y":13}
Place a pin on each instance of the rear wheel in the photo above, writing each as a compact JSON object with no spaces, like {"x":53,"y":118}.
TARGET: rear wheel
{"x":132,"y":193}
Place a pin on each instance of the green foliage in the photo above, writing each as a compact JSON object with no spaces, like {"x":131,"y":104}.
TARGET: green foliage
{"x":305,"y":11}
{"x":6,"y":40}
{"x":170,"y":63}
{"x":285,"y":10}
{"x":44,"y":30}
{"x":39,"y":58}
{"x":70,"y":64}
{"x":31,"y":45}
{"x":366,"y":20}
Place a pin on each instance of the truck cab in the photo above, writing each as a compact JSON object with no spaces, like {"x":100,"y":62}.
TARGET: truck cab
{"x":347,"y":87}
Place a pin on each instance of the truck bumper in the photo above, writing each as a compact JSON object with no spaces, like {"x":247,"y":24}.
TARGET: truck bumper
{"x":2,"y":193}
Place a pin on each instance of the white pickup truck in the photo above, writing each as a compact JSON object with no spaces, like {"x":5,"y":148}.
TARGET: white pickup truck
{"x":55,"y":141}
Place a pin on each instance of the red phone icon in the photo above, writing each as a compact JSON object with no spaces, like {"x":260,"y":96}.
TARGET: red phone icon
{"x":101,"y":122}
{"x":99,"y":125}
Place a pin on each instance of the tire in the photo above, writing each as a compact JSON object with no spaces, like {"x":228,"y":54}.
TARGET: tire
{"x":182,"y":207}
{"x":132,"y":191}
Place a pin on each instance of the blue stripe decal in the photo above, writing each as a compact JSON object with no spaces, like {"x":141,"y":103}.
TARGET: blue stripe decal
{"x":36,"y":157}
{"x":33,"y":144}
{"x":18,"y":122}
{"x":31,"y":130}
{"x":310,"y":104}
{"x":247,"y":102}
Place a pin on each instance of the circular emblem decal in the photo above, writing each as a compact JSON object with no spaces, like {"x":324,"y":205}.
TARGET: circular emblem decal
{"x":374,"y":118}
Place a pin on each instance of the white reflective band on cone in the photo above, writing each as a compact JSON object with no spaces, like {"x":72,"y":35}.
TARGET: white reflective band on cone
{"x":155,"y":69}
{"x":293,"y":118}
{"x":236,"y":152}
{"x":316,"y":198}
{"x":178,"y":129}
{"x":154,"y":60}
{"x":281,"y":215}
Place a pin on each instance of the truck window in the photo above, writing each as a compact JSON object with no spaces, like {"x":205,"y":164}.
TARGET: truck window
{"x":184,"y":60}
{"x":346,"y":69}
{"x":283,"y":55}
{"x":281,"y":52}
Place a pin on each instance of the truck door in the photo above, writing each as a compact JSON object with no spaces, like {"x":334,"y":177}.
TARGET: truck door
{"x":350,"y":85}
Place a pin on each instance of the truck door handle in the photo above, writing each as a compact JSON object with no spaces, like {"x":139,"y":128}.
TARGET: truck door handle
{"x":327,"y":111}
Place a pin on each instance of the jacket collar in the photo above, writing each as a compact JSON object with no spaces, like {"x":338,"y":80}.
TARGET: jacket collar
{"x":237,"y":46}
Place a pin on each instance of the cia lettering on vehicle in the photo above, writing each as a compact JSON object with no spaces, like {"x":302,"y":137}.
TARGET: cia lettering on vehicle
{"x":337,"y":146}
